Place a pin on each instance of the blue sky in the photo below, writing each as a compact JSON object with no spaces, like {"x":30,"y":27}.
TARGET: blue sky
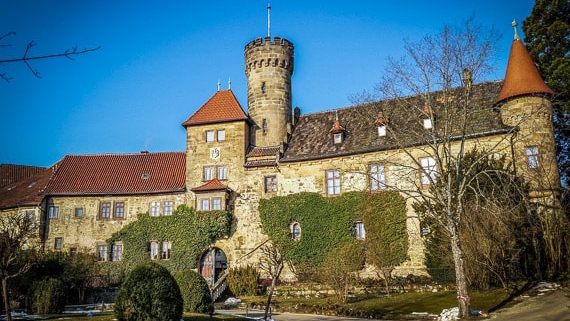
{"x":160,"y":61}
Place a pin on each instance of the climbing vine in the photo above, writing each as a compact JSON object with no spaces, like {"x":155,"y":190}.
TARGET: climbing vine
{"x":188,"y":231}
{"x":327,"y":223}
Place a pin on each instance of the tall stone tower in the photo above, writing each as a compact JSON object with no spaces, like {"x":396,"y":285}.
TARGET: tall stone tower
{"x":525,"y":104}
{"x":269,"y":67}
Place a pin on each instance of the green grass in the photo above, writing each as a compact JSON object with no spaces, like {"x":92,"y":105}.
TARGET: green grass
{"x":108,"y":316}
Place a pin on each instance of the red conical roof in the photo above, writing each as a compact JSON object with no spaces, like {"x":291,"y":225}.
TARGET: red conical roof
{"x":522,"y":77}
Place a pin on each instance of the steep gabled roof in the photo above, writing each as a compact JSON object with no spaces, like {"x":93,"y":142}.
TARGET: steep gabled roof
{"x":311,"y":137}
{"x":10,"y":173}
{"x":222,"y":107}
{"x":521,"y":77}
{"x":26,"y":192}
{"x":120,"y":174}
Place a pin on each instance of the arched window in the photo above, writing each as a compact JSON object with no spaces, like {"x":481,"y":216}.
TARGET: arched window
{"x":296,"y":231}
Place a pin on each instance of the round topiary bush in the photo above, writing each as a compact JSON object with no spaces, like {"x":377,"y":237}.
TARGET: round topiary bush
{"x":47,"y":296}
{"x":149,"y":293}
{"x":195,"y":292}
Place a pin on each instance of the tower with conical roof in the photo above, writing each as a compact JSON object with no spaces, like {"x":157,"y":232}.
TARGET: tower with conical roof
{"x":269,"y":67}
{"x":525,"y":104}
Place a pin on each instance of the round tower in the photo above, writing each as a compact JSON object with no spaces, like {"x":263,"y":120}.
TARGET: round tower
{"x":269,"y":67}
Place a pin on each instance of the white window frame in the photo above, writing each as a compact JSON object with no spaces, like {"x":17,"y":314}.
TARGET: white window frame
{"x":270,"y":183}
{"x":377,"y":177}
{"x":222,"y":172}
{"x":102,"y":252}
{"x":117,"y":253}
{"x":209,"y":136}
{"x":153,"y":250}
{"x":216,"y":203}
{"x":532,"y":157}
{"x":166,"y":250}
{"x":221,"y":135}
{"x":168,"y":208}
{"x":208,"y":173}
{"x":359,"y":230}
{"x":105,"y":210}
{"x":337,"y":138}
{"x":204,"y":204}
{"x":429,"y":170}
{"x":58,"y":244}
{"x":154,"y":210}
{"x":382,"y":130}
{"x":53,"y":212}
{"x":333,"y":182}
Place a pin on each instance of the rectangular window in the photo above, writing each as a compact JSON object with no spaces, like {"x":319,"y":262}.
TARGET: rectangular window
{"x":222,"y":173}
{"x":30,"y":216}
{"x":119,"y":210}
{"x":58,"y":243}
{"x":532,"y":157}
{"x":209,"y":136}
{"x":53,"y":212}
{"x":117,"y":254}
{"x":270,"y":184}
{"x":337,"y":138}
{"x":72,"y":251}
{"x":208,"y":173}
{"x":153,"y":250}
{"x":168,"y":207}
{"x":166,"y":247}
{"x":377,"y":177}
{"x":221,"y":135}
{"x":359,"y":231}
{"x":105,"y":210}
{"x":102,"y":253}
{"x":428,"y":174}
{"x":154,"y":209}
{"x":216,"y":203}
{"x":333,"y":182}
{"x":205,"y":204}
{"x":79,"y":212}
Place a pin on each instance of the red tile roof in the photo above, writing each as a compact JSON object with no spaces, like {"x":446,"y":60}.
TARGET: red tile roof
{"x":25,"y":192}
{"x":119,"y":174}
{"x":521,"y":77}
{"x":211,"y":185}
{"x":222,"y":107}
{"x":10,"y":173}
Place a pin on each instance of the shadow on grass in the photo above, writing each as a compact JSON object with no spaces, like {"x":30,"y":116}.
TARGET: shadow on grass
{"x":516,"y":292}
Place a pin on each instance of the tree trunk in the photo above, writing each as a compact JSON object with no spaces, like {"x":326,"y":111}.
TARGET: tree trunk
{"x":6,"y":299}
{"x":460,"y":278}
{"x":270,"y":294}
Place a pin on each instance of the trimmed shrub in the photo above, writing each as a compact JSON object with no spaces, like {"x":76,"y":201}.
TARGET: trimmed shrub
{"x":243,"y":280}
{"x":149,"y":293}
{"x":195,"y":292}
{"x":47,"y":296}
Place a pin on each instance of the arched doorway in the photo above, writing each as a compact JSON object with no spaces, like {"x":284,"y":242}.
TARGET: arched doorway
{"x":212,"y":263}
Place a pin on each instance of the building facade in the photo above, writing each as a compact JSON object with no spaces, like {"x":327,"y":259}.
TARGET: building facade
{"x":234,"y":158}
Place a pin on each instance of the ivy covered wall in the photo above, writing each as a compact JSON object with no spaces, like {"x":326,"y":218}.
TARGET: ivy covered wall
{"x":328,"y":222}
{"x":190,"y":233}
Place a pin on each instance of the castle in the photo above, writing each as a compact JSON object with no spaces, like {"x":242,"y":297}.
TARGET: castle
{"x":234,"y":158}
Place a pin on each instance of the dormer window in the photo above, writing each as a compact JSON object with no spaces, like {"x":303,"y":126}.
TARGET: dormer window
{"x":427,"y":116}
{"x":381,"y":122}
{"x":428,"y":123}
{"x":337,"y":131}
{"x":337,"y":138}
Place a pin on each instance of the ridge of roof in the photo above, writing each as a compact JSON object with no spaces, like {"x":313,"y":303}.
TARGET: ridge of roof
{"x":522,"y":76}
{"x":221,"y":107}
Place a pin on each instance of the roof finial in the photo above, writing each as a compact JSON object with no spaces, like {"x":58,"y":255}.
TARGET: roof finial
{"x":229,"y":83}
{"x":268,"y":20}
{"x":219,"y":85}
{"x":515,"y":24}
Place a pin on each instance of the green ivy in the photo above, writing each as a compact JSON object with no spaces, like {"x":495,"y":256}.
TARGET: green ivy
{"x":326,"y":222}
{"x":189,"y":231}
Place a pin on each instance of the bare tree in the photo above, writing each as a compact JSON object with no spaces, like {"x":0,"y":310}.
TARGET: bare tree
{"x":431,"y":120}
{"x":19,"y":240}
{"x":272,"y":262}
{"x":26,"y":57}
